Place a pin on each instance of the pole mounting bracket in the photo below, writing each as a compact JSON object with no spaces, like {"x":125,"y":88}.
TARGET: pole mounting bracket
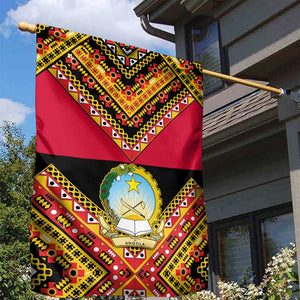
{"x":292,"y":95}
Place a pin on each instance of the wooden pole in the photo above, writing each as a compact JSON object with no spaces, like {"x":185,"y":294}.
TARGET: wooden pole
{"x":244,"y":81}
{"x":23,"y":26}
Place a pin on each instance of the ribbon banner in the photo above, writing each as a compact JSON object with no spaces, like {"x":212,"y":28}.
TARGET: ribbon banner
{"x":117,"y":207}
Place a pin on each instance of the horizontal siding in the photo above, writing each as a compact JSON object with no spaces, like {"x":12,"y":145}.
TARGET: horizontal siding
{"x":249,"y":15}
{"x":249,"y":178}
{"x":266,"y":41}
{"x":252,"y":199}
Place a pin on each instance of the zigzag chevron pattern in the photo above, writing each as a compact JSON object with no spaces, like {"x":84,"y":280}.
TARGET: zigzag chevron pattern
{"x":132,"y":94}
{"x":116,"y":209}
{"x":90,"y":263}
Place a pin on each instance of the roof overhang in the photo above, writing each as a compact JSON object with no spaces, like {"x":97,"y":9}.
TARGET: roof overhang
{"x":172,"y":12}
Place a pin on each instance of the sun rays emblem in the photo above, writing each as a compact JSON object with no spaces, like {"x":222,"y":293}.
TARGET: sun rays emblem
{"x":132,"y":203}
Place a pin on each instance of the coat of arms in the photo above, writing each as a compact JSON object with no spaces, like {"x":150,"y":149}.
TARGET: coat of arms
{"x":132,"y":203}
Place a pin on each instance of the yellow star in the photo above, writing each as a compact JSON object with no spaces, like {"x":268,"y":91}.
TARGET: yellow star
{"x":133,"y":184}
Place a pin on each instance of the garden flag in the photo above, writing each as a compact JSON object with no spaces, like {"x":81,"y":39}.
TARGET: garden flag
{"x":117,"y":207}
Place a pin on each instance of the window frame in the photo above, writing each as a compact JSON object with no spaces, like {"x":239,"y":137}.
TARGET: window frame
{"x":203,"y":21}
{"x":254,"y":220}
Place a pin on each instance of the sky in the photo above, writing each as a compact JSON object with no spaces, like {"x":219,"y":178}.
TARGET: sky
{"x":111,"y":19}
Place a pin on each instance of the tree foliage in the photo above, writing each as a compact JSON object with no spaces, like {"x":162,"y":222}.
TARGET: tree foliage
{"x":16,"y":174}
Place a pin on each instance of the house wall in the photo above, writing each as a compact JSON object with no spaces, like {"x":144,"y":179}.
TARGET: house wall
{"x":248,"y":178}
{"x":267,"y":38}
{"x":265,"y":46}
{"x":248,"y":168}
{"x":262,"y":39}
{"x":264,"y":29}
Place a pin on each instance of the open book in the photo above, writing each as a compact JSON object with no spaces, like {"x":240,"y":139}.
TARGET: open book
{"x":134,"y":227}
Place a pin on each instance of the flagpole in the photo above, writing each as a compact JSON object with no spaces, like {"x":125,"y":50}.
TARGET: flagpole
{"x":23,"y":26}
{"x":278,"y":91}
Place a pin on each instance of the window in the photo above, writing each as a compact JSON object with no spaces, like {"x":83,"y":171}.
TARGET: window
{"x":240,"y":248}
{"x":204,"y":47}
{"x":234,"y":252}
{"x":277,"y":233}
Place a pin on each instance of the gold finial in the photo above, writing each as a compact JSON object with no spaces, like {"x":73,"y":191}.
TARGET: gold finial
{"x":23,"y":26}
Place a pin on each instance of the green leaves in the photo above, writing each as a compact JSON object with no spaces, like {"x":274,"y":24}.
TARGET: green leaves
{"x":16,"y":169}
{"x":16,"y":166}
{"x":14,"y":221}
{"x":293,"y":276}
{"x":14,"y":270}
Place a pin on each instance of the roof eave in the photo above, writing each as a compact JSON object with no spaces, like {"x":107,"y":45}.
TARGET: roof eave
{"x":145,"y":7}
{"x":172,"y":12}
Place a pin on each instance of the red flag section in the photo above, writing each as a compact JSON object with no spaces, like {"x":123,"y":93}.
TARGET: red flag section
{"x":117,"y":207}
